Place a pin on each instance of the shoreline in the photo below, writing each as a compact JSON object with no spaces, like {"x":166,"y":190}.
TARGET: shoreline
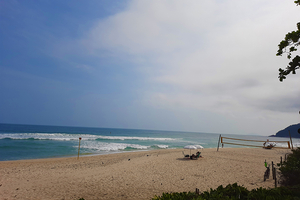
{"x":134,"y":175}
{"x":120,"y":152}
{"x":101,"y":154}
{"x":84,"y":155}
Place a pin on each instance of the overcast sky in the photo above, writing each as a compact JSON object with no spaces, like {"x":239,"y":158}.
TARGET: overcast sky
{"x":186,"y":65}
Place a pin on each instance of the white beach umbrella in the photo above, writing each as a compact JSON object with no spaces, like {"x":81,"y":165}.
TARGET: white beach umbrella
{"x":199,"y":146}
{"x":190,"y":147}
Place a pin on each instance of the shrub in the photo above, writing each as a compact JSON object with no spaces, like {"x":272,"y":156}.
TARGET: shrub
{"x":178,"y":196}
{"x":290,"y":169}
{"x":235,"y":192}
{"x":229,"y":192}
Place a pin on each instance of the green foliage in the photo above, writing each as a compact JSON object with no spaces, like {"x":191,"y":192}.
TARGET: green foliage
{"x":177,"y":196}
{"x":288,"y":46}
{"x":235,"y":192}
{"x":290,"y":169}
{"x":274,"y":193}
{"x":229,"y":192}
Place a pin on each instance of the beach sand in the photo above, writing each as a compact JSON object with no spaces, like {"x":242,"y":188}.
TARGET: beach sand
{"x":134,"y":175}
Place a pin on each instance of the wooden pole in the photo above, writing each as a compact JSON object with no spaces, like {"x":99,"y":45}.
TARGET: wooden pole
{"x":291,"y":139}
{"x":275,"y":178}
{"x":273,"y":170}
{"x":284,"y":157}
{"x":219,"y":142}
{"x":79,"y":148}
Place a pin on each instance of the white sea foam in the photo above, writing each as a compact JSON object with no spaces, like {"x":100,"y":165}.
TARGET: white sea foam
{"x":39,"y":136}
{"x":162,"y":146}
{"x":296,"y":143}
{"x":101,"y":146}
{"x":132,"y":138}
{"x":64,"y":136}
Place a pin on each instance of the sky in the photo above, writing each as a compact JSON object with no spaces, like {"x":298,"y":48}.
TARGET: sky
{"x":187,"y":65}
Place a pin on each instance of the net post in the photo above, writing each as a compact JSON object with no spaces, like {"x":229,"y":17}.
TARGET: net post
{"x":78,"y":148}
{"x":219,"y":142}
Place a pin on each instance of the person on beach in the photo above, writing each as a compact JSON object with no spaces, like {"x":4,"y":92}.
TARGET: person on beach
{"x":269,"y":145}
{"x":266,"y":143}
{"x":195,"y":156}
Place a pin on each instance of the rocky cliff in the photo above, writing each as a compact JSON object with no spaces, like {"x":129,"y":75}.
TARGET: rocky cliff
{"x":293,"y":130}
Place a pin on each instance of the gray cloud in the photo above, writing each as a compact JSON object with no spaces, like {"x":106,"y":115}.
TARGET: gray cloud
{"x":213,"y":56}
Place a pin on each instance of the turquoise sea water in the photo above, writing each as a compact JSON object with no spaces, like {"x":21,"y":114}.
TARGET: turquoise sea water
{"x":18,"y":142}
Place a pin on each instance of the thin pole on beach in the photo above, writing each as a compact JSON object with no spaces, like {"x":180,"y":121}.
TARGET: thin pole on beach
{"x":78,"y":148}
{"x":275,"y":179}
{"x":219,"y":142}
{"x":291,"y":139}
{"x":273,"y":171}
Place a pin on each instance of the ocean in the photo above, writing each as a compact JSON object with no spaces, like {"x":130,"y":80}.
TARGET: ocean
{"x":19,"y":142}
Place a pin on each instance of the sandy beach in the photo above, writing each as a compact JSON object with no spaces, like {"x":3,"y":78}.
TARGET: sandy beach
{"x":134,"y":175}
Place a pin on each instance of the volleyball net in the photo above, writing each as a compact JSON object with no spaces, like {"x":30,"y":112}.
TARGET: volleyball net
{"x":253,"y":143}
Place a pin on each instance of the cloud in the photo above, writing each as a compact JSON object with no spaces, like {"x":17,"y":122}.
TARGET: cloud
{"x":208,"y":55}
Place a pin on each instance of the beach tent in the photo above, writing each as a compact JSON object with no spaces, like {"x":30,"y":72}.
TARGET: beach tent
{"x":190,"y":147}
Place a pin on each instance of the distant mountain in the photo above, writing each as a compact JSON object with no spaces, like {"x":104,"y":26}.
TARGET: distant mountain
{"x":285,"y":132}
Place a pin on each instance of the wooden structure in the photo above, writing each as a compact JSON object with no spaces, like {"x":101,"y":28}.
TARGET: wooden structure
{"x":250,"y":143}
